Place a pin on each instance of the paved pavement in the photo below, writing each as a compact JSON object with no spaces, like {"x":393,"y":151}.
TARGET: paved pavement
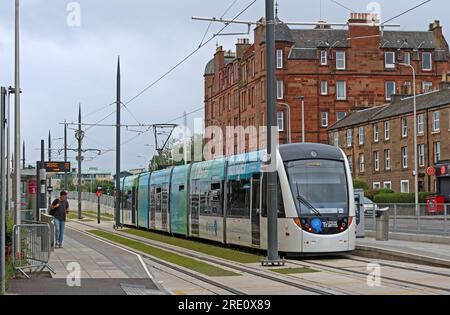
{"x":408,"y":251}
{"x":104,"y":269}
{"x":425,"y":225}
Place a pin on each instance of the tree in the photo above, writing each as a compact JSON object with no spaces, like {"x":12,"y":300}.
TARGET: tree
{"x":360,"y":184}
{"x":174,"y":154}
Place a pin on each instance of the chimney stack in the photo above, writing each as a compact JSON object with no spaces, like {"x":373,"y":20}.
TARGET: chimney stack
{"x":364,"y":31}
{"x":436,"y":28}
{"x":242,"y":46}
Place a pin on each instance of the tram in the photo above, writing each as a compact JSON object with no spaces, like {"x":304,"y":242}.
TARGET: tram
{"x":224,"y":200}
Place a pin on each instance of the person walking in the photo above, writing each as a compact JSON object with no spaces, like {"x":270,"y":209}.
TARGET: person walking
{"x":59,"y":210}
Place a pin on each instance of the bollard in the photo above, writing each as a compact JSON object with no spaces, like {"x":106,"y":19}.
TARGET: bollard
{"x":382,"y":225}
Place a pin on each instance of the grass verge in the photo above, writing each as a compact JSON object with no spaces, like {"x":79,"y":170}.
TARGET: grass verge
{"x":93,"y":215}
{"x":74,"y":217}
{"x":186,"y":262}
{"x":212,"y":250}
{"x":292,"y":271}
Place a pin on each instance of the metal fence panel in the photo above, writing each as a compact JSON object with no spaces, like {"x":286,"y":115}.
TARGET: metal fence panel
{"x":31,"y":248}
{"x":404,"y":219}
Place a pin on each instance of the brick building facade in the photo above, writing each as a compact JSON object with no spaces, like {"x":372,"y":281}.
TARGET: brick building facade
{"x":379,"y":141}
{"x":337,"y":71}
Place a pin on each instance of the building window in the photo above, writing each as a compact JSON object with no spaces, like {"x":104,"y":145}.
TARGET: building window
{"x":437,"y":152}
{"x":349,"y":138}
{"x":229,"y":102}
{"x":280,"y":89}
{"x":376,"y":161}
{"x":280,"y":119}
{"x":421,"y":155}
{"x":420,"y":125}
{"x":407,"y":88}
{"x":362,"y":163}
{"x":325,"y":119}
{"x":426,"y":61}
{"x":387,"y":131}
{"x":279,"y":58}
{"x":387,"y":185}
{"x":324,"y":88}
{"x":323,"y":58}
{"x":376,"y":133}
{"x":341,"y":91}
{"x":377,"y":186}
{"x":390,"y":90}
{"x":427,"y":86}
{"x":350,"y":163}
{"x":336,"y":139}
{"x":404,"y":184}
{"x":436,"y":121}
{"x":212,"y":110}
{"x":407,"y":58}
{"x":387,"y":160}
{"x":362,"y":136}
{"x":341,"y":115}
{"x":405,"y":157}
{"x":340,"y":60}
{"x":389,"y":60}
{"x":404,"y":127}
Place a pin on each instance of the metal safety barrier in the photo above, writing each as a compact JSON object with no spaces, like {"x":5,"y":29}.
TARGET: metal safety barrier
{"x":31,"y":248}
{"x":407,"y":218}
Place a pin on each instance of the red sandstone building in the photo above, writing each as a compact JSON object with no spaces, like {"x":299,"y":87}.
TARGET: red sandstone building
{"x":337,"y":71}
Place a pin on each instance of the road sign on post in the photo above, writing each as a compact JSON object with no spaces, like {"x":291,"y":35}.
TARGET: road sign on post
{"x":57,"y":167}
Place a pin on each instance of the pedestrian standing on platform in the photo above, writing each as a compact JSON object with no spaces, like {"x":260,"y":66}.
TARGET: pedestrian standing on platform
{"x":59,"y":210}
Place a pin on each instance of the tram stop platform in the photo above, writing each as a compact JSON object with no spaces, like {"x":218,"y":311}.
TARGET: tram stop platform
{"x":103,"y":269}
{"x":418,"y":249}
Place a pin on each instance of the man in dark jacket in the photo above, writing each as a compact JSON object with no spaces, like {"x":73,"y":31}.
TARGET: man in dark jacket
{"x":59,"y":209}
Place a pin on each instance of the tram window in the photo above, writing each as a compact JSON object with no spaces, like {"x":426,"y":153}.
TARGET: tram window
{"x":204,"y":190}
{"x":239,"y":199}
{"x":164,"y":198}
{"x":158,"y":199}
{"x":280,"y":200}
{"x":215,"y":199}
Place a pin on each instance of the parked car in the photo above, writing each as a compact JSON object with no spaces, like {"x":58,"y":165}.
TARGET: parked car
{"x":369,"y":207}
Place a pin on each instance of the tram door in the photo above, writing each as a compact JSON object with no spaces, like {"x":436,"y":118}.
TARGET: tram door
{"x":133,"y":205}
{"x":195,"y":207}
{"x":256,"y":209}
{"x":164,"y":206}
{"x":152,"y":207}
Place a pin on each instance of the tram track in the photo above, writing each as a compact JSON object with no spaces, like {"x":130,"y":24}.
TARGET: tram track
{"x":163,"y":263}
{"x":224,"y":263}
{"x":402,"y":267}
{"x":360,"y":273}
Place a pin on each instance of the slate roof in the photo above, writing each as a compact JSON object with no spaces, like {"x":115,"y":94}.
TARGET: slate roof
{"x":211,"y":65}
{"x":282,"y":33}
{"x":403,"y":107}
{"x":408,"y":40}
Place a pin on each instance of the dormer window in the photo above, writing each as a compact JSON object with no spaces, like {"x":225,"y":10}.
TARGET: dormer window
{"x":340,"y":60}
{"x":426,"y":61}
{"x":389,"y":60}
{"x":323,"y":58}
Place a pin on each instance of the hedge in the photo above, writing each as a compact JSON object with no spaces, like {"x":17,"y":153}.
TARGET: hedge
{"x":360,"y":184}
{"x":401,"y":198}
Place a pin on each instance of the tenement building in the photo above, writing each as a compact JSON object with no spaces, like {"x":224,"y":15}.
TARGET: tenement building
{"x":379,"y":141}
{"x":337,"y":71}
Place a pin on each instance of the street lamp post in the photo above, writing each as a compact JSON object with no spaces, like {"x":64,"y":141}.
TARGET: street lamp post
{"x":17,"y":178}
{"x":416,"y":166}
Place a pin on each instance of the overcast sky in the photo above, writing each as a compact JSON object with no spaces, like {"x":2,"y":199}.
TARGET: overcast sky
{"x":62,"y":66}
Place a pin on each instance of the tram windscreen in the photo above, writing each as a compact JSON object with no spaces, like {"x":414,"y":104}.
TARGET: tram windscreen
{"x":319,"y":186}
